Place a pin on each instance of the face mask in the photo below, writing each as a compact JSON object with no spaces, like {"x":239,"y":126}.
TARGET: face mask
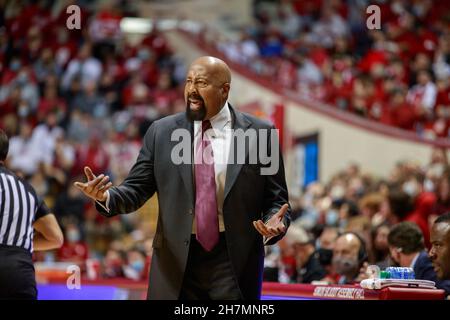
{"x":22,"y":79}
{"x":325,"y":256}
{"x":428,"y":185}
{"x":73,"y":236}
{"x":138,"y":265}
{"x":410,"y":188}
{"x":23,"y":111}
{"x":15,"y":65}
{"x":143,"y":54}
{"x":344,"y":266}
{"x":332,"y":217}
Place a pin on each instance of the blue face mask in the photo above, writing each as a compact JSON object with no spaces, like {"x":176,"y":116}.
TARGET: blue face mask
{"x":15,"y":65}
{"x":138,"y":265}
{"x":331,"y":217}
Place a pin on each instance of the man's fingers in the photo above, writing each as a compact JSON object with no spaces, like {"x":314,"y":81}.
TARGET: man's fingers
{"x":280,"y":214}
{"x":93,"y":183}
{"x":273,"y":231}
{"x":80,"y":185}
{"x":107,"y":186}
{"x":269,"y":231}
{"x":280,"y":229}
{"x":259,"y":225}
{"x":88,"y":173}
{"x":102,"y":183}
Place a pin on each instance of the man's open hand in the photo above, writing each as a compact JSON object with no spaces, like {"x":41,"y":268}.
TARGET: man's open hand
{"x":274,"y":226}
{"x":95,"y":187}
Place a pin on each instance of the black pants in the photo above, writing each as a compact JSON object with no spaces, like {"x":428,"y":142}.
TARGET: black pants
{"x":17,"y":276}
{"x":209,"y":275}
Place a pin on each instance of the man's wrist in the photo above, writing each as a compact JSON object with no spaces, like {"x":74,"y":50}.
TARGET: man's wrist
{"x":104,"y":204}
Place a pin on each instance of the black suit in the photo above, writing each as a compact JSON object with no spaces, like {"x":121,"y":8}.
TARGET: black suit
{"x":248,"y":196}
{"x":423,"y":270}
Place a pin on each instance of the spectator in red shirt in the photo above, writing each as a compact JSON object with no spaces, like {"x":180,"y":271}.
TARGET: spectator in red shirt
{"x":402,"y":114}
{"x":92,"y":155}
{"x":401,"y":207}
{"x":443,"y":194}
{"x":51,"y":103}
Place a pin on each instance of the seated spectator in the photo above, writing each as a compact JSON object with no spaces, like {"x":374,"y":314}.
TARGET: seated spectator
{"x":349,"y":255}
{"x":45,"y":135}
{"x":440,"y":246}
{"x":90,"y":102}
{"x":135,"y":267}
{"x":400,"y":207}
{"x":423,"y":95}
{"x":23,"y":155}
{"x":380,"y":247}
{"x":406,"y":246}
{"x":443,"y":194}
{"x":69,"y":205}
{"x":308,"y":266}
{"x":51,"y":102}
{"x":74,"y":249}
{"x":401,"y":113}
{"x":325,"y":245}
{"x":85,"y":66}
{"x":113,"y":264}
{"x":370,"y":206}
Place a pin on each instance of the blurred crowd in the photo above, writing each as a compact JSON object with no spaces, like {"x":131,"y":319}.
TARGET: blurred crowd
{"x":76,"y":98}
{"x":341,"y":227}
{"x":323,"y":50}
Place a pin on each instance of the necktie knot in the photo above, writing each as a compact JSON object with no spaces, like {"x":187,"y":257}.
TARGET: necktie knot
{"x":206,"y":125}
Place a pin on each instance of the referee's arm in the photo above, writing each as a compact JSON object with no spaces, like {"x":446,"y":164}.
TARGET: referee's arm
{"x":48,"y":234}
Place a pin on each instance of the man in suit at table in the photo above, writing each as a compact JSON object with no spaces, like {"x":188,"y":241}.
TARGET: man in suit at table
{"x":407,"y":249}
{"x":216,"y":213}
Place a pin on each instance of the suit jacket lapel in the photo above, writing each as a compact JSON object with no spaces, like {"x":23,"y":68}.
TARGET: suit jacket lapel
{"x":233,"y":169}
{"x":185,"y":169}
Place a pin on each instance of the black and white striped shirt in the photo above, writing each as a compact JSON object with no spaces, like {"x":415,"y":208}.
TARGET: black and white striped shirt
{"x":20,"y":207}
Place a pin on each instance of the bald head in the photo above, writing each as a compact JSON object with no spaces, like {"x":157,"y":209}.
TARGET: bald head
{"x":207,"y":87}
{"x":345,"y":255}
{"x":215,"y":66}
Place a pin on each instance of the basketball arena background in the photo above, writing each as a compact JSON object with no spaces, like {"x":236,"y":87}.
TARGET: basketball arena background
{"x":358,"y":110}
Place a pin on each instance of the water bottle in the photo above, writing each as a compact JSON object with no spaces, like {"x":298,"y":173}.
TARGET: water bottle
{"x":399,"y":273}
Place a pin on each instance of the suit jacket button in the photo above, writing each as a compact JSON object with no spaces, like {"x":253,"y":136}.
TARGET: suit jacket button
{"x":191,"y":211}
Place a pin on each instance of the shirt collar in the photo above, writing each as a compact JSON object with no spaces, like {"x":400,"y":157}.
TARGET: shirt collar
{"x":413,"y":263}
{"x":220,"y":120}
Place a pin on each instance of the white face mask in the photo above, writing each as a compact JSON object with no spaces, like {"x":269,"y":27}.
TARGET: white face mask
{"x":428,"y":185}
{"x":331,"y":217}
{"x":73,"y":235}
{"x":411,"y":188}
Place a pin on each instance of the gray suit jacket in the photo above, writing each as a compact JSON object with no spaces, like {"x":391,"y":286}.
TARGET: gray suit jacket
{"x":248,"y":196}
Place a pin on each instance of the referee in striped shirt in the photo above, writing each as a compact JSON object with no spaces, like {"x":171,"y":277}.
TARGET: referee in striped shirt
{"x":26,"y":224}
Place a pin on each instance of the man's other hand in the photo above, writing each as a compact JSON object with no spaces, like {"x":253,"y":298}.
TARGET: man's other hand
{"x":96,"y":186}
